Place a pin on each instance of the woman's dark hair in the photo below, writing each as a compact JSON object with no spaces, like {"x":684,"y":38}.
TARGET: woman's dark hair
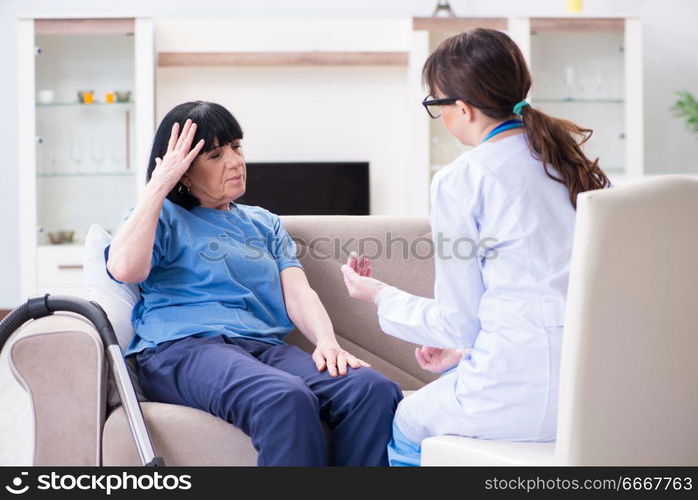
{"x":486,"y":69}
{"x":213,"y":122}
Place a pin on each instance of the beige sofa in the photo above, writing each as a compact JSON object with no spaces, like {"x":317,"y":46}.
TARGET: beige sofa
{"x":60,"y":359}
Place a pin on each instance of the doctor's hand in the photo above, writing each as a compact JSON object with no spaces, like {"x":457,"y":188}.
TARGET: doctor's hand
{"x":331,"y":357}
{"x":357,"y":278}
{"x":437,"y":360}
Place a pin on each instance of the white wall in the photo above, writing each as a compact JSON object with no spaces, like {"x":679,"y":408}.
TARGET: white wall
{"x":670,"y":64}
{"x":309,"y":113}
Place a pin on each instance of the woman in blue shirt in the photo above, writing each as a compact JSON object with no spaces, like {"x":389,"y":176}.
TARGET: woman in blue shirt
{"x":221,"y":287}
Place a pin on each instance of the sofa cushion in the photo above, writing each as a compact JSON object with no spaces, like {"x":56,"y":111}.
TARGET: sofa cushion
{"x":181,"y":435}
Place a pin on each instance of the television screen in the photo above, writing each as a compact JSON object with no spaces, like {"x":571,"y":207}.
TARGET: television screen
{"x":317,"y":188}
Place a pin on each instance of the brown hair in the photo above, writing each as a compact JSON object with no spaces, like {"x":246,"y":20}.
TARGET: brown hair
{"x":486,"y":69}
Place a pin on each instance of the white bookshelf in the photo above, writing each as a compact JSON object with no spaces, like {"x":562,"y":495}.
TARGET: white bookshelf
{"x":79,"y":163}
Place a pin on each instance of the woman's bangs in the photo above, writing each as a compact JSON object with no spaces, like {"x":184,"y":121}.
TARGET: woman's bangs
{"x":215,"y":126}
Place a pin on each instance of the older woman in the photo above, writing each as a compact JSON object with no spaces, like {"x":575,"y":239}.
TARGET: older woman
{"x":221,"y":288}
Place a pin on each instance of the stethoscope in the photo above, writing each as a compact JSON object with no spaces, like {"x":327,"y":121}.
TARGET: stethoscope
{"x":503,"y":127}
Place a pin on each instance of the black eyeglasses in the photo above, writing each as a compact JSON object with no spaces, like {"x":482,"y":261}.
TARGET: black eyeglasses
{"x":433,"y":106}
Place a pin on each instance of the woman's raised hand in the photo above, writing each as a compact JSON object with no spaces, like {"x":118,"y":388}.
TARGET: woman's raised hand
{"x":170,"y":168}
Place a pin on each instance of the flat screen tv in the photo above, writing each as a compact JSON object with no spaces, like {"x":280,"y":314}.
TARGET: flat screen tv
{"x":317,"y":188}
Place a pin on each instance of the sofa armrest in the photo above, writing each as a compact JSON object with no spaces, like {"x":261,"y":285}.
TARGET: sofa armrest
{"x":59,"y":360}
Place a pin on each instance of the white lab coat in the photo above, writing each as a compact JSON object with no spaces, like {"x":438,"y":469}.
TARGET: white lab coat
{"x":506,"y":302}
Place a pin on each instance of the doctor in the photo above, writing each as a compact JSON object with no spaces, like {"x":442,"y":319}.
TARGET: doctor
{"x":494,"y":326}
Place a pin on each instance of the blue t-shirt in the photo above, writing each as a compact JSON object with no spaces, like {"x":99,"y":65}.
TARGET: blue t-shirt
{"x":214,"y":272}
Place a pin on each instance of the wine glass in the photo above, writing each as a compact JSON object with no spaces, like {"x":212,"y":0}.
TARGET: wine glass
{"x":599,"y":82}
{"x":97,"y":153}
{"x":51,"y":159}
{"x":62,"y":164}
{"x":77,"y":152}
{"x":543,"y":86}
{"x":118,"y":155}
{"x":587,"y":82}
{"x":569,"y":82}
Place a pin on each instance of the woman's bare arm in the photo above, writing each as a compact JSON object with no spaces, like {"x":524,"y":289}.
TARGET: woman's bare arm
{"x":308,"y":314}
{"x":131,"y":250}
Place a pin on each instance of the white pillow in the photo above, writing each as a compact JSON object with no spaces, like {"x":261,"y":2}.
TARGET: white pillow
{"x":116,"y":299}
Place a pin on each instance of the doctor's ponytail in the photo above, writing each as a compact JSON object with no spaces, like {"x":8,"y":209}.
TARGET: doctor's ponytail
{"x":558,"y":143}
{"x":486,"y":69}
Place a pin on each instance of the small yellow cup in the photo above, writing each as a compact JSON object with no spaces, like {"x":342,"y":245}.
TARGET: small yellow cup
{"x":574,"y":6}
{"x":109,"y":97}
{"x":88,"y":97}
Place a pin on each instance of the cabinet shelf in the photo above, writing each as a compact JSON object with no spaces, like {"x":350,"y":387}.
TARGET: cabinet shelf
{"x":61,"y":247}
{"x":308,"y":58}
{"x":572,"y":100}
{"x":121,"y":105}
{"x":115,"y":173}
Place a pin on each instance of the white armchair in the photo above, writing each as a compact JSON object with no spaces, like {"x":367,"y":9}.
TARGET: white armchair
{"x":629,"y":377}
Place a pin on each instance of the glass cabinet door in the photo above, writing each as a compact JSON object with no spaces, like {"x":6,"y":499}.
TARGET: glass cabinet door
{"x":84,"y":124}
{"x":579,"y":75}
{"x":443,"y":147}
